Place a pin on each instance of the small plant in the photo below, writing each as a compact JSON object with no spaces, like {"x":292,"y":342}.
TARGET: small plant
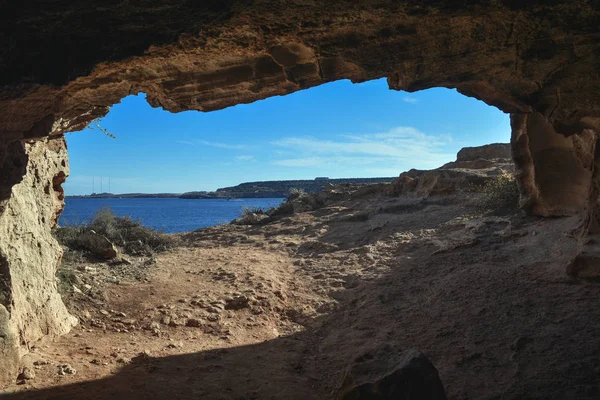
{"x":66,"y":279}
{"x":500,"y":193}
{"x":97,"y":125}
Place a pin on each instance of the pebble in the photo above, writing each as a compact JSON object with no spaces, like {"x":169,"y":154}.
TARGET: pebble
{"x":66,"y":369}
{"x":27,"y":374}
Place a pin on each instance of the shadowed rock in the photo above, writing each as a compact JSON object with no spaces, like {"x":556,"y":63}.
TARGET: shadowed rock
{"x":386,"y":373}
{"x":98,"y":245}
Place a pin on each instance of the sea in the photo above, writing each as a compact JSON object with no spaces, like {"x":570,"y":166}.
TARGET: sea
{"x":169,"y":215}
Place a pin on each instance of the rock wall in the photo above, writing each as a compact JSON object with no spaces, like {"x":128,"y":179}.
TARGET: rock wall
{"x":64,"y":63}
{"x":30,"y":306}
{"x":554,"y":172}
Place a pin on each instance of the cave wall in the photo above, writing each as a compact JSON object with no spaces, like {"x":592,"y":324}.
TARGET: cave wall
{"x":553,"y":171}
{"x":64,"y":63}
{"x":30,"y":306}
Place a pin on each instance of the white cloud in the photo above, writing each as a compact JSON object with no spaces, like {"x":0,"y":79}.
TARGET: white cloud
{"x":402,"y":146}
{"x":410,"y":100}
{"x":201,"y":142}
{"x":244,"y":158}
{"x":222,"y":145}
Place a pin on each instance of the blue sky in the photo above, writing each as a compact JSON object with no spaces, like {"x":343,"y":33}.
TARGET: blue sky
{"x":337,"y":130}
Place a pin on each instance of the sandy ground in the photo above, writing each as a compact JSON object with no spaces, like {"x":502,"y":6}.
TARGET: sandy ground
{"x":280,"y":311}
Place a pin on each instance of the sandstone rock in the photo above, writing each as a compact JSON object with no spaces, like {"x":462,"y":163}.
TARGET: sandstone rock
{"x":98,"y":245}
{"x":554,"y":172}
{"x":465,"y":174}
{"x":487,"y":152}
{"x":386,"y":373}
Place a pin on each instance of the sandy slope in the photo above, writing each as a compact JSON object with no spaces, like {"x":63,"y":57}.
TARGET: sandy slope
{"x":280,"y":311}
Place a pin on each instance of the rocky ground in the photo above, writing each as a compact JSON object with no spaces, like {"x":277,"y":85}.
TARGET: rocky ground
{"x":282,"y":310}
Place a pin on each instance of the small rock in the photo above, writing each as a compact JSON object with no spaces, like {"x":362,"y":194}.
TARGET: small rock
{"x":104,"y":312}
{"x":66,"y":369}
{"x":193,"y":322}
{"x":77,"y":290}
{"x":174,"y":323}
{"x":27,"y":374}
{"x":237,"y":303}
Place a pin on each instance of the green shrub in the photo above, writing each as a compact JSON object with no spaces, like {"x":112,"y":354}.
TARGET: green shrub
{"x":130,"y":235}
{"x":66,"y":279}
{"x":500,"y":193}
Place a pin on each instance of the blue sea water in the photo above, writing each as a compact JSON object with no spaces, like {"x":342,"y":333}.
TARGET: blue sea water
{"x":170,"y":215}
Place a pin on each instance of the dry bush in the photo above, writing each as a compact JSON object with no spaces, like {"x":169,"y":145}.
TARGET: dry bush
{"x":134,"y":238}
{"x":247,"y":211}
{"x":500,"y":193}
{"x":295,"y":193}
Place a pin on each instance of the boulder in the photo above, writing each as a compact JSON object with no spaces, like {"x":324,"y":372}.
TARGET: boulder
{"x":386,"y":373}
{"x":98,"y":245}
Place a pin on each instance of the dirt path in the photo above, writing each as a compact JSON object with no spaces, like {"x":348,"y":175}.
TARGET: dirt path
{"x":280,"y":311}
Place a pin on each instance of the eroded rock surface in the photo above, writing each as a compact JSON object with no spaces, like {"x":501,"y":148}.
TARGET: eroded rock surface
{"x":30,"y":306}
{"x":554,"y":171}
{"x":520,"y":57}
{"x":474,"y":167}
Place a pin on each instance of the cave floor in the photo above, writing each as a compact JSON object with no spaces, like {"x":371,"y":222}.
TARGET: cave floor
{"x":280,"y":311}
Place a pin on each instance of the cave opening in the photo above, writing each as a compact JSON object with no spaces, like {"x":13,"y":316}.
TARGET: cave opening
{"x":339,"y":130}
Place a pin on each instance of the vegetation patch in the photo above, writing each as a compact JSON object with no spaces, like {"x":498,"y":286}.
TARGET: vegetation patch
{"x":500,"y":193}
{"x":131,"y":236}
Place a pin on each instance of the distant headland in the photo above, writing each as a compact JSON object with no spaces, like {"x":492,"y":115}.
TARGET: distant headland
{"x":265,"y":189}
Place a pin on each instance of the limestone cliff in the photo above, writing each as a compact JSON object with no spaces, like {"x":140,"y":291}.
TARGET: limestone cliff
{"x":30,"y":306}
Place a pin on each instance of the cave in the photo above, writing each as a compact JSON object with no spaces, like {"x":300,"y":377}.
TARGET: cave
{"x":63,"y":65}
